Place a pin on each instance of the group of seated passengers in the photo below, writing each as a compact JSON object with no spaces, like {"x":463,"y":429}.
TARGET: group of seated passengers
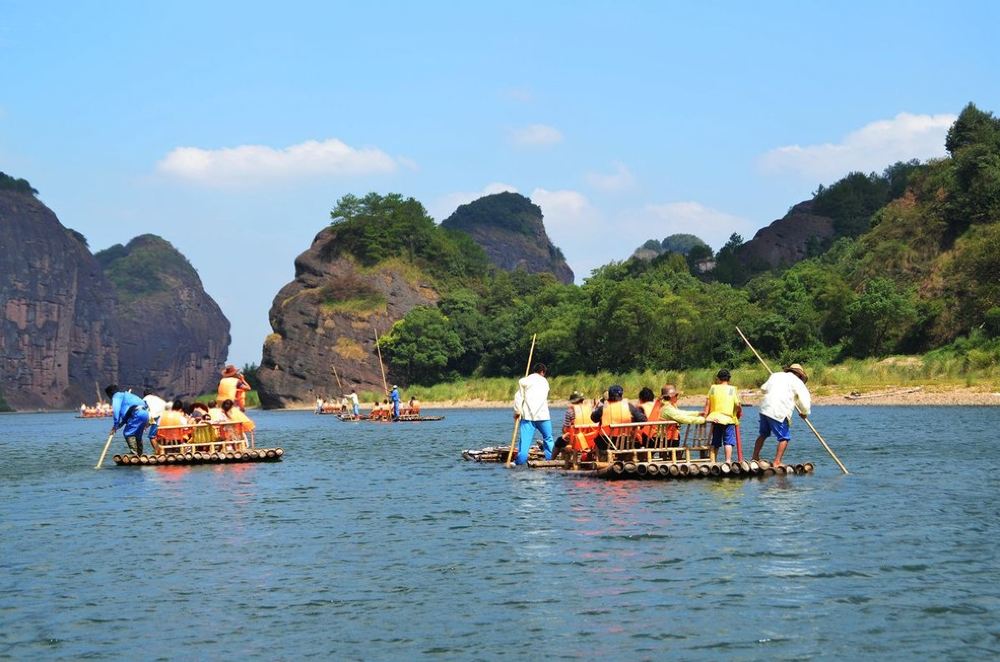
{"x":179,"y":416}
{"x":100,"y":409}
{"x":383,"y":410}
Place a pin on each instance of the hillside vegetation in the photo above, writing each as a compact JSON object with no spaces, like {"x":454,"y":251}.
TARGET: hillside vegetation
{"x":913,"y":269}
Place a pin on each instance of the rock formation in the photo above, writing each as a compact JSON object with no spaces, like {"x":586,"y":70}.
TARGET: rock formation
{"x":172,"y":335}
{"x":68,"y":326}
{"x":787,"y":240}
{"x":58,"y":338}
{"x":509,"y":228}
{"x":327,"y":318}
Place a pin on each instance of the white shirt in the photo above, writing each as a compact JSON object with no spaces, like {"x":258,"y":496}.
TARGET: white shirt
{"x":354,"y":398}
{"x":156,"y":405}
{"x":784,"y":392}
{"x":531,"y":401}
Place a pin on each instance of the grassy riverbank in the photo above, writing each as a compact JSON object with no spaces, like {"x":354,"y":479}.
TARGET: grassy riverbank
{"x":932,"y":374}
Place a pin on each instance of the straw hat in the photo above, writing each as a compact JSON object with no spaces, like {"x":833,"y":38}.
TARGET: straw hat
{"x":576,"y":397}
{"x":797,"y":370}
{"x":230,"y":371}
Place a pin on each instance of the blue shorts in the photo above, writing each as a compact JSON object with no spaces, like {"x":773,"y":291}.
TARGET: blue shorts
{"x":723,"y":434}
{"x":769,"y":426}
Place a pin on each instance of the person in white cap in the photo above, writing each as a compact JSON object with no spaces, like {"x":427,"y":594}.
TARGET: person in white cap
{"x":783,"y":392}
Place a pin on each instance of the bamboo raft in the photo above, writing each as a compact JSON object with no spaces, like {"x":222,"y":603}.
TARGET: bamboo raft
{"x":401,"y":419}
{"x":202,"y":443}
{"x":200,"y":457}
{"x":654,"y":450}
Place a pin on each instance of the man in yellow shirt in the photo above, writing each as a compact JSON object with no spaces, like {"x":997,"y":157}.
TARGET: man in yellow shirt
{"x":724,"y":410}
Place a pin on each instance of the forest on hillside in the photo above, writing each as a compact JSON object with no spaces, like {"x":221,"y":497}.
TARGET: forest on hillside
{"x":912,"y":269}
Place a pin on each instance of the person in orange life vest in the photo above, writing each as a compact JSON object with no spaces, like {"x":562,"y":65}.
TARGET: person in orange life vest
{"x":578,"y":433}
{"x":670,"y":412}
{"x":231,"y":385}
{"x":723,"y":409}
{"x":614,"y":411}
{"x":236,"y":414}
{"x":648,"y":405}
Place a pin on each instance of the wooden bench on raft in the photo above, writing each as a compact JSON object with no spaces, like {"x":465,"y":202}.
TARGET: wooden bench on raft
{"x":625,"y":442}
{"x":202,"y":437}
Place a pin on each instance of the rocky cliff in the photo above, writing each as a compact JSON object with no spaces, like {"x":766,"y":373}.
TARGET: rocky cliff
{"x":509,"y":228}
{"x":172,"y":335}
{"x":58,"y":330}
{"x":69,"y":326}
{"x":326,"y":319}
{"x":788,"y":239}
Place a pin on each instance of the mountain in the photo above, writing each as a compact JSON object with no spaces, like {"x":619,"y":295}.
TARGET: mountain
{"x":788,"y":239}
{"x":58,"y":320}
{"x":70,"y":322}
{"x":172,"y":335}
{"x":509,"y":228}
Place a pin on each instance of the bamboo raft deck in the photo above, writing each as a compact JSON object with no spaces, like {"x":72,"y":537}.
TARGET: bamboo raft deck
{"x":202,"y":443}
{"x":401,"y":419}
{"x":622,"y":453}
{"x":200,"y":457}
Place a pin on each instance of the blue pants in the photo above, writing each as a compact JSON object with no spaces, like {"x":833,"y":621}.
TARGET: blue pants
{"x":528,"y":436}
{"x":152,"y":429}
{"x":395,"y":409}
{"x":136,"y":424}
{"x":357,"y":410}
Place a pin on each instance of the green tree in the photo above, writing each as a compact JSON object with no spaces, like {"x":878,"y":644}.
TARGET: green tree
{"x":421,"y":344}
{"x":879,"y":317}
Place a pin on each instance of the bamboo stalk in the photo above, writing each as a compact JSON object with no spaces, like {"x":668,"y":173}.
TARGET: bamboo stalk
{"x":517,"y":419}
{"x":674,"y":470}
{"x":385,"y":384}
{"x":104,"y":452}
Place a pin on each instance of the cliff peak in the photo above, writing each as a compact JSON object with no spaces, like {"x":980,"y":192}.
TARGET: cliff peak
{"x":510,"y":228}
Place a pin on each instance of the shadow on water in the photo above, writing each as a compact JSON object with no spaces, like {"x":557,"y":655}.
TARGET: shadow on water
{"x":379,"y":542}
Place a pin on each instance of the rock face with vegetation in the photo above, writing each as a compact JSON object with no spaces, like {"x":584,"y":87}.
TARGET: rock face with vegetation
{"x":788,"y":240}
{"x":171,"y":334}
{"x":58,"y":330}
{"x":509,"y":228}
{"x":381,"y":258}
{"x":71,"y":323}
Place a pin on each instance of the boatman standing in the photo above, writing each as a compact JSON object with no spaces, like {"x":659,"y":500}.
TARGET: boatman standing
{"x":531,"y":405}
{"x":131,"y":413}
{"x":783,"y":392}
{"x":395,"y":402}
{"x":355,"y":405}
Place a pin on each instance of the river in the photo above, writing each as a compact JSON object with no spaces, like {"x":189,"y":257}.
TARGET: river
{"x":378,"y":542}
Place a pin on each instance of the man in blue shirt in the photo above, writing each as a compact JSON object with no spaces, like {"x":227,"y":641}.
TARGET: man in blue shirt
{"x":395,"y":402}
{"x":130,"y":412}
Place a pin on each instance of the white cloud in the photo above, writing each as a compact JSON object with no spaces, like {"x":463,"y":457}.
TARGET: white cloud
{"x":620,"y":180}
{"x":253,"y":163}
{"x":870,"y":148}
{"x":519,"y":94}
{"x":444,"y":206}
{"x":536,"y":134}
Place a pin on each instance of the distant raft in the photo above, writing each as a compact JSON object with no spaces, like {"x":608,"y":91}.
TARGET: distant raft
{"x":655,"y":450}
{"x":380,"y":418}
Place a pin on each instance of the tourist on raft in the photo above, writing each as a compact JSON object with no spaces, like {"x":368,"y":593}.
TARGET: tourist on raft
{"x":531,"y":406}
{"x":233,"y":386}
{"x":394,"y":396}
{"x":354,"y":403}
{"x":616,"y":410}
{"x":670,"y":412}
{"x":131,"y":413}
{"x":578,"y":436}
{"x":783,"y":392}
{"x":156,"y":405}
{"x":723,"y":410}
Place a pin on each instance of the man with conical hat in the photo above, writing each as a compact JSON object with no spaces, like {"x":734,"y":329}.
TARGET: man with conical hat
{"x":783,"y":392}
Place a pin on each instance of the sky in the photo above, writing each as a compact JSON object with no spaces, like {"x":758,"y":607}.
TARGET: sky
{"x":232,"y":128}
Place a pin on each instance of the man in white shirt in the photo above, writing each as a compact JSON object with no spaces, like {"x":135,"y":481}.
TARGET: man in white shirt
{"x":156,"y":405}
{"x":531,"y":406}
{"x":783,"y":393}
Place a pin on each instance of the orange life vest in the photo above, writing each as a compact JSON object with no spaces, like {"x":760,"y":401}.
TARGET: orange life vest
{"x":170,"y":418}
{"x":582,"y":433}
{"x":615,"y":413}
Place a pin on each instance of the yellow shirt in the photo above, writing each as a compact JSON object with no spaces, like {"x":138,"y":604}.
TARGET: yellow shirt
{"x":722,"y":403}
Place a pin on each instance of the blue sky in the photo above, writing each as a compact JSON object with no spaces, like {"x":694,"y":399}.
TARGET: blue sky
{"x":231,"y":128}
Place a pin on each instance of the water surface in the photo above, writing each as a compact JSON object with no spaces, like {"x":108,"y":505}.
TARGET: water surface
{"x":378,"y":542}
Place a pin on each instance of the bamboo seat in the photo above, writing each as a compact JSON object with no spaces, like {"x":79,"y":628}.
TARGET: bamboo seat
{"x":622,"y":442}
{"x":202,"y":437}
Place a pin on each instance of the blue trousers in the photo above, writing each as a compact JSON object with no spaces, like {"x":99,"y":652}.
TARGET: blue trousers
{"x":136,"y":424}
{"x":152,"y":429}
{"x":528,"y":436}
{"x":395,"y":409}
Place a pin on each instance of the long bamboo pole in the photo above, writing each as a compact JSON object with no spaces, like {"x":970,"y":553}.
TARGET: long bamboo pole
{"x":105,"y":451}
{"x":385,"y":384}
{"x":517,"y":419}
{"x":340,"y":387}
{"x":808,"y":422}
